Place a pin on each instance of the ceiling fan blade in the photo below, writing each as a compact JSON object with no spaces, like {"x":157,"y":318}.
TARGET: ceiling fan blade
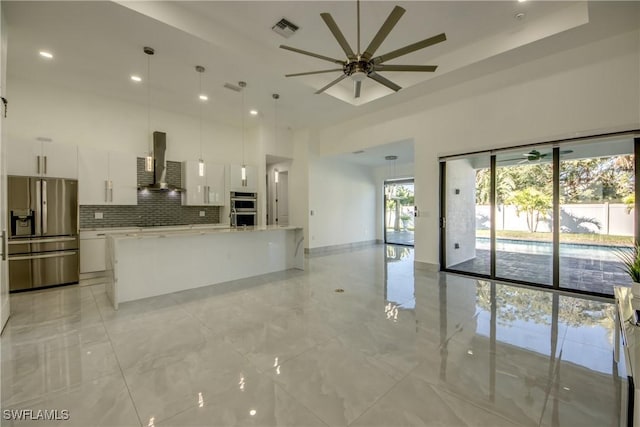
{"x":385,"y":82}
{"x":338,"y":80}
{"x":358,"y":87}
{"x":383,"y":32}
{"x":333,"y":27}
{"x":315,"y":55}
{"x":313,"y":72}
{"x":383,"y":67}
{"x":410,"y":48}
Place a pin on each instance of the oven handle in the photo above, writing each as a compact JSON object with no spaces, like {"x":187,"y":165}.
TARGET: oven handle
{"x":47,"y":255}
{"x":244,"y":199}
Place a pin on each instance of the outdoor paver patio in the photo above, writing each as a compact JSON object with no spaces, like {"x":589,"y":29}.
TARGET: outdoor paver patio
{"x":575,"y":273}
{"x":404,"y":237}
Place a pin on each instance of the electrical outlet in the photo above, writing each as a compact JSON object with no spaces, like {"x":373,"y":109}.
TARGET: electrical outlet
{"x":456,"y":245}
{"x":202,"y":213}
{"x":98,"y":215}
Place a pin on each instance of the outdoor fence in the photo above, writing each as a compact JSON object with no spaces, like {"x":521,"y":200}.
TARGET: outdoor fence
{"x":604,"y":218}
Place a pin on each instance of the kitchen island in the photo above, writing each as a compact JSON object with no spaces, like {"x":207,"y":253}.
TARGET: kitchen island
{"x":150,"y":263}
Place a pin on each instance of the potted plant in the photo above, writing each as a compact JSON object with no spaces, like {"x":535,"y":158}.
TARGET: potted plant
{"x":630,"y":257}
{"x":405,"y":220}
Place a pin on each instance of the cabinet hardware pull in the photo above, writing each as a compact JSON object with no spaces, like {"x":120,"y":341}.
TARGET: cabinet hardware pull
{"x":38,"y":164}
{"x":45,"y":165}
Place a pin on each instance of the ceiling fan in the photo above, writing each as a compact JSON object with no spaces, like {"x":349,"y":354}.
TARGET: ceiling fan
{"x":534,"y":156}
{"x":361,"y":65}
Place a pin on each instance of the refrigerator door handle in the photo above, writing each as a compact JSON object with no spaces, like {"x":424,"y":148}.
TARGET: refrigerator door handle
{"x":44,"y":206}
{"x":37,"y":211}
{"x":42,"y":256}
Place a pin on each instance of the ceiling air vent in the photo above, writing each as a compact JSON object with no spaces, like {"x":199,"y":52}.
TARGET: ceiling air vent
{"x":285,"y":28}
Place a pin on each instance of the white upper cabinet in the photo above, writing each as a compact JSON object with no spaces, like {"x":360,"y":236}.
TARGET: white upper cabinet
{"x":107,"y":178}
{"x":207,"y":190}
{"x":235,"y":179}
{"x":36,"y":158}
{"x":124,"y":178}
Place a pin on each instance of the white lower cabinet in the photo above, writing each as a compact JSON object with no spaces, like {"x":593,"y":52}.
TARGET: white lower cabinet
{"x":93,"y":249}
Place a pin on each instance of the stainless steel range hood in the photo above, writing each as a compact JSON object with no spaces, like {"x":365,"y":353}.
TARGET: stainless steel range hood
{"x":159,"y":165}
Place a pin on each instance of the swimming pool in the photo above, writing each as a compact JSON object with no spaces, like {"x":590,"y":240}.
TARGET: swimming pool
{"x":592,"y":252}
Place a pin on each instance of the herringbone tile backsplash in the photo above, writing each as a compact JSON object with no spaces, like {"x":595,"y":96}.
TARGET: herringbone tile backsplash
{"x":155,"y":208}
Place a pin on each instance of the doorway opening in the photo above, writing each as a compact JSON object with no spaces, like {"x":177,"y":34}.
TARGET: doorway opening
{"x":277,"y":182}
{"x":399,"y":201}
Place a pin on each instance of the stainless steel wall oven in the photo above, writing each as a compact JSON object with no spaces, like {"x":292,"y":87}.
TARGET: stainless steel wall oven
{"x":243,"y":209}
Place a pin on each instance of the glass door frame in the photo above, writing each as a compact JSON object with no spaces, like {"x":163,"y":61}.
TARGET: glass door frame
{"x":384,"y":206}
{"x":635,"y":134}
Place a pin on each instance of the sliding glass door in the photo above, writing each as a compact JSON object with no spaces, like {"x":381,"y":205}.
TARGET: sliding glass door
{"x":553,"y":215}
{"x":524,"y":193}
{"x":399,"y":212}
{"x":597,"y":187}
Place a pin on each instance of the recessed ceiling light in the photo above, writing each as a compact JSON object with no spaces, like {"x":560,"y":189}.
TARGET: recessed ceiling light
{"x":46,"y":54}
{"x":203,"y":97}
{"x":136,"y":78}
{"x":521,"y":1}
{"x":253,"y":112}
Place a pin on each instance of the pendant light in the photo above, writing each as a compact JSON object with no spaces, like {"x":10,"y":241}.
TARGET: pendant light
{"x":275,"y":96}
{"x":148,"y":163}
{"x":243,"y":170}
{"x":200,"y":70}
{"x":276,"y":173}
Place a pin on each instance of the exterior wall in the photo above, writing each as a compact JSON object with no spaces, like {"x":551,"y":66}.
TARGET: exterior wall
{"x":461,"y":215}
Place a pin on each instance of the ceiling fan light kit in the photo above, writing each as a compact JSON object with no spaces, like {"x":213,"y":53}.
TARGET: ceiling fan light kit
{"x":360,"y":66}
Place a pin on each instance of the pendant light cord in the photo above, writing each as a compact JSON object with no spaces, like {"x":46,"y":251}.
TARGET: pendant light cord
{"x":200,"y":111}
{"x":242,"y":114}
{"x":149,"y":103}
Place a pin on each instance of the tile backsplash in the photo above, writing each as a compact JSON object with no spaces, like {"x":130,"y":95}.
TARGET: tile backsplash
{"x":155,"y":208}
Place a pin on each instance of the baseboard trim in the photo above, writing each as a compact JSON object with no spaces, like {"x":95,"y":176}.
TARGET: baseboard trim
{"x":426,"y":266}
{"x":331,"y":249}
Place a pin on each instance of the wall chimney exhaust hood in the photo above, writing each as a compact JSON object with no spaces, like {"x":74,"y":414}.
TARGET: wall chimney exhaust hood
{"x":160,"y":165}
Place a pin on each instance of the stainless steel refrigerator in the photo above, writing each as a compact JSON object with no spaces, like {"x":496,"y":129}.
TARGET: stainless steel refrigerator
{"x":43,"y":232}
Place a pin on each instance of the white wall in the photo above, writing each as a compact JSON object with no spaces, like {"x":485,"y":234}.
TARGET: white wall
{"x":86,"y":119}
{"x":584,"y":90}
{"x":342,"y":197}
{"x":381,"y":174}
{"x":4,"y":270}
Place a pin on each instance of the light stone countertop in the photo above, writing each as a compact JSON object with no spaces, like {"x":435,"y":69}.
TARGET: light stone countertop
{"x":112,"y":230}
{"x":157,"y":232}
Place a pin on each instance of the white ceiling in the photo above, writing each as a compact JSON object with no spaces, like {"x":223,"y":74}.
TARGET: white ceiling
{"x":98,"y":45}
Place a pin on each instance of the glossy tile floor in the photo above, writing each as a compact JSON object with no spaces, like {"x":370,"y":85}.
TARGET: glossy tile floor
{"x":395,"y":348}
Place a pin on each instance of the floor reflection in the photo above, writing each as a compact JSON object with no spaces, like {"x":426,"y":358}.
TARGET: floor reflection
{"x":400,"y":346}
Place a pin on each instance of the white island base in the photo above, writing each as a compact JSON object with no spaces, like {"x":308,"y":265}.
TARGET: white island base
{"x":147,"y":264}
